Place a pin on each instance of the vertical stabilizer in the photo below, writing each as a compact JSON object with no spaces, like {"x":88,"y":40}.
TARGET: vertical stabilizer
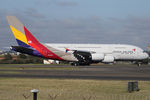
{"x":26,"y":39}
{"x":18,"y":30}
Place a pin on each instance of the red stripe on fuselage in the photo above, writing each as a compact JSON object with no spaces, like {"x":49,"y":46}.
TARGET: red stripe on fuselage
{"x":33,"y":42}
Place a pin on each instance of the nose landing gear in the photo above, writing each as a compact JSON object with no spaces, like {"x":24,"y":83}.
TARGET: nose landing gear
{"x":138,"y":64}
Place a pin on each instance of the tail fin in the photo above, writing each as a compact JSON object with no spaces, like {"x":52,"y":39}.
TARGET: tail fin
{"x":26,"y":39}
{"x":18,"y":30}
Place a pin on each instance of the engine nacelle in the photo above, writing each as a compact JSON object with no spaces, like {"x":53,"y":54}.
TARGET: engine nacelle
{"x":97,"y":57}
{"x":108,"y":59}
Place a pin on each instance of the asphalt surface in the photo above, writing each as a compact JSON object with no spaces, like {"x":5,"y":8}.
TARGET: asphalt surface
{"x":99,"y":72}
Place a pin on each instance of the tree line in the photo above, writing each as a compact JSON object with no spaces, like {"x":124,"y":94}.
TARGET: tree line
{"x":20,"y":59}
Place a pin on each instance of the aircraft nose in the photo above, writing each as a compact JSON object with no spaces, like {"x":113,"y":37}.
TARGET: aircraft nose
{"x":145,"y":55}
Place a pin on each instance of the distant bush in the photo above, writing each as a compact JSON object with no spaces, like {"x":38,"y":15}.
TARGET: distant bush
{"x":22,"y":56}
{"x":21,"y":59}
{"x":7,"y":57}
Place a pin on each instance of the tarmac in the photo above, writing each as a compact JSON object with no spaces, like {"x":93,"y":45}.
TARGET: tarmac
{"x":98,"y":72}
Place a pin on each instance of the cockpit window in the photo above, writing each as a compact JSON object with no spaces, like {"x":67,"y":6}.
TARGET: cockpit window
{"x":144,"y":51}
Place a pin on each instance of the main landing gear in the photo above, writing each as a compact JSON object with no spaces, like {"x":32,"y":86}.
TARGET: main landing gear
{"x":80,"y":64}
{"x":75,"y":64}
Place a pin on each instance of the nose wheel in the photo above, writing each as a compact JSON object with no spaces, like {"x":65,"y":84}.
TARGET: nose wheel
{"x":139,"y":64}
{"x":75,"y":64}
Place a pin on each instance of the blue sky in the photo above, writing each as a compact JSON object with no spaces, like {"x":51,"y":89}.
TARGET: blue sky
{"x":79,"y":21}
{"x":81,"y":8}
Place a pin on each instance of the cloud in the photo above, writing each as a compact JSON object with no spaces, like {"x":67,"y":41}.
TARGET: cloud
{"x":62,"y":3}
{"x":130,"y":30}
{"x":66,"y":3}
{"x":134,"y":30}
{"x":69,"y":30}
{"x":33,"y":13}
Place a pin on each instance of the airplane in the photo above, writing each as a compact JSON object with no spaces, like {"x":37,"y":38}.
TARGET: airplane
{"x":77,"y":54}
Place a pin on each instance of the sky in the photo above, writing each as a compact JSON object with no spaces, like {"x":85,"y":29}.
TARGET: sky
{"x":79,"y":21}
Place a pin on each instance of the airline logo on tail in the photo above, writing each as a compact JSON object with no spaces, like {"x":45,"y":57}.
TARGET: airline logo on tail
{"x":25,"y":39}
{"x":20,"y":37}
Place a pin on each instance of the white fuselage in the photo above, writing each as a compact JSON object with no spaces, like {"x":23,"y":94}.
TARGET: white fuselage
{"x":118,"y":51}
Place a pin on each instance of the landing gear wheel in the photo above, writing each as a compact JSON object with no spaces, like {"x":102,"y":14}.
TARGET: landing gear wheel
{"x":139,"y":64}
{"x":74,"y":64}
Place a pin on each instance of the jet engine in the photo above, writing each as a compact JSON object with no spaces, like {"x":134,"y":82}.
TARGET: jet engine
{"x":97,"y":57}
{"x":108,"y":59}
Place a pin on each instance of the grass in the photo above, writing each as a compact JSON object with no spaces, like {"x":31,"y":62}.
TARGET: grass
{"x":70,"y":89}
{"x":9,"y":72}
{"x":38,"y":68}
{"x":66,"y":89}
{"x":34,"y":64}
